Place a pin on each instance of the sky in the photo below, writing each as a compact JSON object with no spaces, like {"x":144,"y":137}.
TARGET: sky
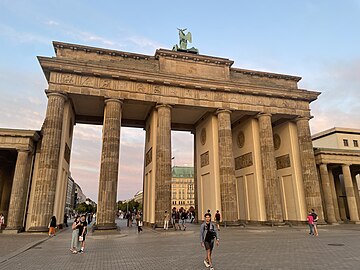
{"x":317,"y":40}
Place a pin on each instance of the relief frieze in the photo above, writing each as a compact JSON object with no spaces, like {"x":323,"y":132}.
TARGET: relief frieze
{"x":283,"y":162}
{"x":235,"y":100}
{"x":243,"y":161}
{"x":204,"y":159}
{"x":148,"y":157}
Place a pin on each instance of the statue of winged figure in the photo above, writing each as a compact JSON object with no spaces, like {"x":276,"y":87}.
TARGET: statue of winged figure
{"x":184,"y":38}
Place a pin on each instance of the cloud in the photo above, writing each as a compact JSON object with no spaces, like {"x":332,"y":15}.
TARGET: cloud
{"x":339,"y":103}
{"x":21,"y":37}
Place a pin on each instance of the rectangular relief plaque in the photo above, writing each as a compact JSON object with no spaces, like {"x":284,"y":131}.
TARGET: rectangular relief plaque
{"x":283,"y":162}
{"x":148,"y":157}
{"x":243,"y":161}
{"x":204,"y":159}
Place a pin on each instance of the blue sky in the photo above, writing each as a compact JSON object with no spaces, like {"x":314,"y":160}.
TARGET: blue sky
{"x":317,"y":40}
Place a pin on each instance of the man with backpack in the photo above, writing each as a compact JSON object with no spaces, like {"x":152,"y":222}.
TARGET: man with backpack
{"x":208,"y":235}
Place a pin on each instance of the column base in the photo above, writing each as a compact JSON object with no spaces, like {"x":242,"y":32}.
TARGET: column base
{"x":275,"y":223}
{"x":106,"y":227}
{"x":38,"y":229}
{"x":12,"y":230}
{"x":354,"y":222}
{"x":225,"y":223}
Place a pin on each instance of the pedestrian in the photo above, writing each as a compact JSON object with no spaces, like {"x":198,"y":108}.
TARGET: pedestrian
{"x":75,"y":235}
{"x":166,"y":220}
{"x":82,"y":233}
{"x":177,"y":219}
{"x":129,"y":219}
{"x":2,"y":221}
{"x":139,"y":222}
{"x":183,"y":218}
{"x":315,"y":216}
{"x":52,"y":226}
{"x":89,"y":218}
{"x":173,"y":216}
{"x":217,"y":219}
{"x":310,"y":220}
{"x":208,"y":235}
{"x":65,"y":220}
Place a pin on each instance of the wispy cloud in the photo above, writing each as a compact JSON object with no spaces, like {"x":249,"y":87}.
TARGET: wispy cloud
{"x":14,"y":35}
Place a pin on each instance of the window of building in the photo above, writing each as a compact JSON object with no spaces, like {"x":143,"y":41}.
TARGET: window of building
{"x":356,"y":143}
{"x":346,"y":142}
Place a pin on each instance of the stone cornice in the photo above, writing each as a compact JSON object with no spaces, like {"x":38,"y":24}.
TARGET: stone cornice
{"x":96,"y":50}
{"x":81,"y":68}
{"x":33,"y":134}
{"x":193,"y":57}
{"x":338,"y":152}
{"x":266,"y":74}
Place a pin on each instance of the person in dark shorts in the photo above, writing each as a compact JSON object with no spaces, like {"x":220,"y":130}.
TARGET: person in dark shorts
{"x":208,"y":235}
{"x":82,"y":233}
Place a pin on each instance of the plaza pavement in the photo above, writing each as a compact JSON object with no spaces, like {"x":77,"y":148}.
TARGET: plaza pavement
{"x":253,"y":247}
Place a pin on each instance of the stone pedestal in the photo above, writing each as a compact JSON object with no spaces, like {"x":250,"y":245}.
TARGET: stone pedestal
{"x":163,"y":164}
{"x":329,"y":205}
{"x":19,"y":192}
{"x":106,"y":210}
{"x":350,"y":195}
{"x":45,"y":184}
{"x":308,"y":165}
{"x":271,"y":182}
{"x":226,"y":169}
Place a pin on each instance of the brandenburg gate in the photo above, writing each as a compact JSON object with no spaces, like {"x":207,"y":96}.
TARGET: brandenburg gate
{"x":254,"y":159}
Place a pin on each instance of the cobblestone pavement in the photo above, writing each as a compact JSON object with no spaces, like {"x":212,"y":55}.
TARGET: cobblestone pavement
{"x":337,"y":247}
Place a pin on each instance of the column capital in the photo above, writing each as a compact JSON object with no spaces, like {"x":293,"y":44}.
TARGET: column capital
{"x":299,"y":118}
{"x":121,"y":101}
{"x":346,"y":164}
{"x":260,"y":114}
{"x":159,"y":105}
{"x":26,"y":150}
{"x":54,"y":93}
{"x":218,"y":111}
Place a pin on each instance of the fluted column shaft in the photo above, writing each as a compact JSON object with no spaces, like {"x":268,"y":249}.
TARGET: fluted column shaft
{"x":329,"y":204}
{"x":45,"y":184}
{"x":226,"y":168}
{"x":163,"y":163}
{"x":350,"y":195}
{"x":109,"y":168}
{"x":334,"y":195}
{"x":19,"y":192}
{"x":271,"y":181}
{"x":308,"y":165}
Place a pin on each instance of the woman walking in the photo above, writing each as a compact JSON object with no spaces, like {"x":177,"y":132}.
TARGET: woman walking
{"x":75,"y":235}
{"x":52,"y":226}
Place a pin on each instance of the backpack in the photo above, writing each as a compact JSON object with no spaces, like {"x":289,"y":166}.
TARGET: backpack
{"x":315,"y":216}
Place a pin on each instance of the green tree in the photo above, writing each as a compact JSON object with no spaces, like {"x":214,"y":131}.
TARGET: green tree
{"x":85,"y":208}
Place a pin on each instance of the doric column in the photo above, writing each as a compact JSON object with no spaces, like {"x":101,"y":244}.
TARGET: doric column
{"x":45,"y":184}
{"x":105,"y":216}
{"x":329,"y":204}
{"x":271,"y":181}
{"x":163,"y":163}
{"x":19,"y":192}
{"x":334,"y":195}
{"x":356,"y":191}
{"x":308,"y":165}
{"x":196,"y":203}
{"x":226,"y":168}
{"x":350,"y":195}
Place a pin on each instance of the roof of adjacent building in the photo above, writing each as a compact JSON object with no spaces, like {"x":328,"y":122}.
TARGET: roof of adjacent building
{"x":335,"y":130}
{"x":182,"y":172}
